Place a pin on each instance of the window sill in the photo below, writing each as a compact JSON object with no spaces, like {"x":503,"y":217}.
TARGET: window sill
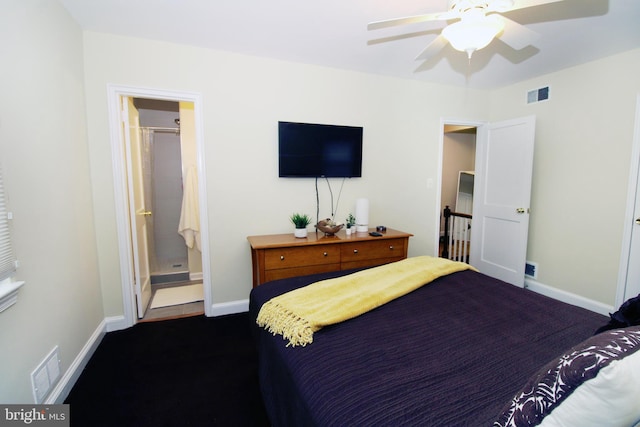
{"x":9,"y":294}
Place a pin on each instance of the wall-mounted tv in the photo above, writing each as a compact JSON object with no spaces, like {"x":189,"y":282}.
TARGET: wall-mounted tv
{"x":307,"y":150}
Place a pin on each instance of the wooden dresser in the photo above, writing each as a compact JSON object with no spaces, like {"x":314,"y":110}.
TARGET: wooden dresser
{"x":278,"y":256}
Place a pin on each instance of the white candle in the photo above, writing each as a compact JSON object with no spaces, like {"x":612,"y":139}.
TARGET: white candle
{"x":362,"y":215}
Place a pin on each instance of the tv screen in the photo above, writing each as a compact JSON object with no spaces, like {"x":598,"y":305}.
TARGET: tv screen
{"x":315,"y":150}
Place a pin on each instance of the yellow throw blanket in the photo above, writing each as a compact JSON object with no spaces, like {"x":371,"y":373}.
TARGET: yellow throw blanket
{"x":296,"y":315}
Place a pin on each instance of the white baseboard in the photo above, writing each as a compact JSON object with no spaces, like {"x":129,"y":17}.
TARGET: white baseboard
{"x":116,"y":323}
{"x":232,"y":307}
{"x":568,"y":297}
{"x":68,"y":380}
{"x":196,"y":276}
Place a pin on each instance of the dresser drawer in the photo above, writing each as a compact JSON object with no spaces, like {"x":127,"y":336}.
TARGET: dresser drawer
{"x":290,"y":257}
{"x":370,"y":250}
{"x":283,"y":273}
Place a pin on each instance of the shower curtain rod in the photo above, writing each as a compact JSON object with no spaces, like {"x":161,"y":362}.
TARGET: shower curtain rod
{"x":160,"y":129}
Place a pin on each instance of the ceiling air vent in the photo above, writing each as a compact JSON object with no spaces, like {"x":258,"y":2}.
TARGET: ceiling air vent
{"x":537,"y":95}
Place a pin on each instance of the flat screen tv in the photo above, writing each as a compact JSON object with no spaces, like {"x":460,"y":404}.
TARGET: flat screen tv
{"x":307,"y":150}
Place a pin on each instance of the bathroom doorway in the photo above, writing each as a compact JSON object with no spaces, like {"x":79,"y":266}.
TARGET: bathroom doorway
{"x":175,"y":268}
{"x":130,"y":139}
{"x":162,"y":168}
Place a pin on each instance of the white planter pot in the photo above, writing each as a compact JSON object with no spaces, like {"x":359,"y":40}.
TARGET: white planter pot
{"x":300,"y":233}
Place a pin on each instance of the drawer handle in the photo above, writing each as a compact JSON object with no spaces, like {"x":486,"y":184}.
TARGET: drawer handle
{"x":325,"y":254}
{"x":391,"y":247}
{"x":281,"y":257}
{"x":355,"y":251}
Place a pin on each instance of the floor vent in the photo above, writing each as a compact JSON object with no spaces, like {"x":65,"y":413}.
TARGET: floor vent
{"x":537,"y":95}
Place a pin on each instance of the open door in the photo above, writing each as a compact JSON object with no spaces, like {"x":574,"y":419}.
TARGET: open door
{"x":629,"y":274}
{"x":504,"y":166}
{"x":632,"y":288}
{"x":138,"y":213}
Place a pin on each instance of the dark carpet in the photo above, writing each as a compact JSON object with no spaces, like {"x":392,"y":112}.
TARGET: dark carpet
{"x":194,"y":371}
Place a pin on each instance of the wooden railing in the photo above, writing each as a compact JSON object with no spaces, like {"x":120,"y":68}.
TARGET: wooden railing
{"x":457,"y":235}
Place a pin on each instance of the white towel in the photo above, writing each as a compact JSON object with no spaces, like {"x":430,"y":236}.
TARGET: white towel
{"x":189,"y":227}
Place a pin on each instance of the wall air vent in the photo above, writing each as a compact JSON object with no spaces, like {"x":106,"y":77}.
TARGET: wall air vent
{"x":537,"y":95}
{"x":45,"y":376}
{"x":531,"y":270}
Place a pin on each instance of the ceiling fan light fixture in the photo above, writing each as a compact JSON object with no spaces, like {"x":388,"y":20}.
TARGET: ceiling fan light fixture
{"x":470,"y":35}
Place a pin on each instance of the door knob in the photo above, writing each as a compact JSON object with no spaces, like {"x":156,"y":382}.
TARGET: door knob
{"x":145,"y":213}
{"x":520,"y":210}
{"x":637,"y":220}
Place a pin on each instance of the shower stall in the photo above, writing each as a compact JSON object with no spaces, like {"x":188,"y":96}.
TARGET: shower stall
{"x":162,"y":171}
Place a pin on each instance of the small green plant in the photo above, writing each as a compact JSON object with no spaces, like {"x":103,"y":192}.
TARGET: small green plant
{"x":300,"y":220}
{"x":351,"y":221}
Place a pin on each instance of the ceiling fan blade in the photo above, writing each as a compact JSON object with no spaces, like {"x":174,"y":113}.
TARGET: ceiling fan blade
{"x":433,"y":48}
{"x":516,"y":35}
{"x":523,"y":4}
{"x":411,"y":20}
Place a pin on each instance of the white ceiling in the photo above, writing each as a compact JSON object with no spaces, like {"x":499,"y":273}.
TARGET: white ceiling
{"x":333,"y":33}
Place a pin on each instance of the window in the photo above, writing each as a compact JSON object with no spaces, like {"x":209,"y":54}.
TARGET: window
{"x":8,"y":288}
{"x":7,"y":259}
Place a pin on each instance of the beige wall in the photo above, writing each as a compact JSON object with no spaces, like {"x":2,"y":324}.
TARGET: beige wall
{"x":43,"y":150}
{"x":243,"y":99}
{"x":584,"y":135}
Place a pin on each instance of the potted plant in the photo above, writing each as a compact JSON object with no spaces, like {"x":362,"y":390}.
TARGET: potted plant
{"x":301,"y":221}
{"x":351,"y":221}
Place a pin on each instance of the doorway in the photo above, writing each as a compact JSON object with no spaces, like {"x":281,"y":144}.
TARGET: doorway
{"x":166,"y":132}
{"x":130,"y":210}
{"x":501,"y":197}
{"x":629,"y":270}
{"x":457,"y":182}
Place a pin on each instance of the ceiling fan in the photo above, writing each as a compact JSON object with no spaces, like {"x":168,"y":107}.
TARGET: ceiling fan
{"x":478,"y":23}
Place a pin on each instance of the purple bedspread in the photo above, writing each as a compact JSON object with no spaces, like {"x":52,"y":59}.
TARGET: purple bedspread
{"x":452,"y":353}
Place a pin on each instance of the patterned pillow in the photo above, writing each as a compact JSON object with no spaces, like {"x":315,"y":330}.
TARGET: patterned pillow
{"x":594,"y":378}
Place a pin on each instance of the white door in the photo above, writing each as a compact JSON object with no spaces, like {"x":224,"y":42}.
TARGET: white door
{"x":138,"y":213}
{"x":632,"y":288}
{"x":630,"y":257}
{"x":504,"y":165}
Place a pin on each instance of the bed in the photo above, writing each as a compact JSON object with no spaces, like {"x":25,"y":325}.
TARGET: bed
{"x":465,"y":349}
